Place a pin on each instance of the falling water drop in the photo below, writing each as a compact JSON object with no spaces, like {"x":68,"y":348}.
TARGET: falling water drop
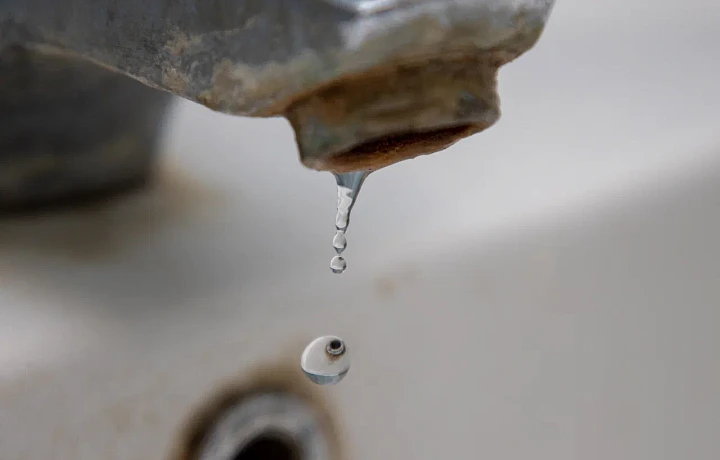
{"x":348,"y":185}
{"x":340,"y":242}
{"x":338,"y":264}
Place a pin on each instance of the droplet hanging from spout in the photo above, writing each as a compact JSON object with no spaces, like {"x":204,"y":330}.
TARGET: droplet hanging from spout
{"x":348,"y":187}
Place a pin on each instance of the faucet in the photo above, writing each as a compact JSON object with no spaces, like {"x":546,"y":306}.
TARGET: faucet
{"x":364,"y":83}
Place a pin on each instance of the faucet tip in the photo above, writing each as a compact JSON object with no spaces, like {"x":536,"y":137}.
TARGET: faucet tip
{"x":373,"y":120}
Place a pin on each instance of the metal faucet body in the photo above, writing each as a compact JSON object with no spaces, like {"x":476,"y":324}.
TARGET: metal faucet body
{"x":365,"y":83}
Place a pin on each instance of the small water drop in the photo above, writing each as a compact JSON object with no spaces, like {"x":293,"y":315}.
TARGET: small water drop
{"x":340,"y":242}
{"x":341,"y":218}
{"x":338,"y":264}
{"x":348,"y":186}
{"x":326,"y":360}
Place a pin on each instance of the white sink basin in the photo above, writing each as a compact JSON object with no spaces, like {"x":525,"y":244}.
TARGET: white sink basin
{"x":549,"y":289}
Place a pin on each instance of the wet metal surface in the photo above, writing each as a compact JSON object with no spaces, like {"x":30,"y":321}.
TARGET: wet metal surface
{"x":326,"y":360}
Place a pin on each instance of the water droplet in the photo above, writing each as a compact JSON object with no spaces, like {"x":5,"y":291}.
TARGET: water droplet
{"x":340,"y":242}
{"x":348,"y":186}
{"x":326,"y":360}
{"x":338,"y":264}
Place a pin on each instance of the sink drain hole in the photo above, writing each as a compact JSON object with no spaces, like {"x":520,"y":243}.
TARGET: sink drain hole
{"x":269,"y":446}
{"x":271,"y":425}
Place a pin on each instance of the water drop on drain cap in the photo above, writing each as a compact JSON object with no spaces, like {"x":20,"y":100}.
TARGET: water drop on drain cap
{"x":326,"y":360}
{"x":338,"y":264}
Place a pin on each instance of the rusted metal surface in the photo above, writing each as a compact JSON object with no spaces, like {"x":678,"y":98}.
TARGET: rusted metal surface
{"x":370,"y":121}
{"x":287,"y":57}
{"x":254,"y":57}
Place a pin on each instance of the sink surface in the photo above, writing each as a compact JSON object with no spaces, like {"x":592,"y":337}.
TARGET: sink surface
{"x":549,"y":289}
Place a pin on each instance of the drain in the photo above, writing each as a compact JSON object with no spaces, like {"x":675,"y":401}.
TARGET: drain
{"x":267,"y":426}
{"x":269,"y":446}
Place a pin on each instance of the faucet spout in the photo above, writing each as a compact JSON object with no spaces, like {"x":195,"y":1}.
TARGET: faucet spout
{"x":372,"y":120}
{"x":364,"y":83}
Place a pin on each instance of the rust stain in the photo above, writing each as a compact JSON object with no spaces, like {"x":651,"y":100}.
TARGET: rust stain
{"x":175,"y":81}
{"x":182,"y":43}
{"x":126,"y":416}
{"x":98,"y":230}
{"x":266,"y":91}
{"x":280,"y":376}
{"x":270,"y":88}
{"x":395,"y":113}
{"x":122,"y":417}
{"x":387,"y":287}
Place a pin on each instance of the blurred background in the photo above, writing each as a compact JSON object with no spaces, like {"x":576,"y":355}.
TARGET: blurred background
{"x":547,"y":289}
